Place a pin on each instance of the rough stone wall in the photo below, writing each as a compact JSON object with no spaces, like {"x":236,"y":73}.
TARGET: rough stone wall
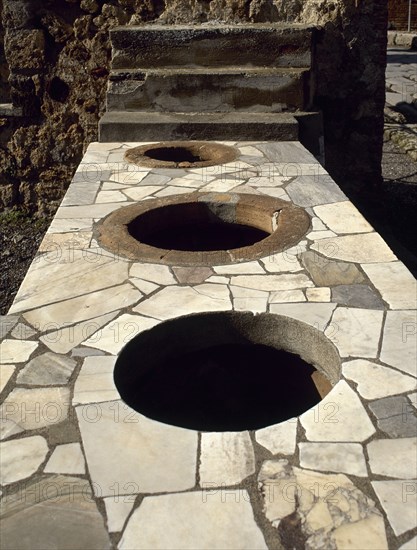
{"x":4,"y":70}
{"x":398,"y":14}
{"x":58,"y":52}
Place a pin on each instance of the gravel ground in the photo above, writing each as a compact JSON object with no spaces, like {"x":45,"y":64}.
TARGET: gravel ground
{"x":392,"y":210}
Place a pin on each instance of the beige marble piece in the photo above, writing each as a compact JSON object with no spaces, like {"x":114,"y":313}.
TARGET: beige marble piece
{"x":316,"y":315}
{"x":155,"y":273}
{"x":83,"y":308}
{"x":343,"y":217}
{"x":20,"y":458}
{"x":16,"y":351}
{"x":60,"y":243}
{"x":361,"y":248}
{"x":114,"y":336}
{"x":235,"y":269}
{"x":375,"y":381}
{"x":6,"y":372}
{"x":66,"y":459}
{"x":399,"y":344}
{"x":139,"y":193}
{"x":281,"y":296}
{"x":356,"y":332}
{"x":94,"y":383}
{"x":117,"y":439}
{"x":319,"y":294}
{"x":272,"y":282}
{"x":173,"y":302}
{"x":117,"y":511}
{"x":340,"y":416}
{"x":225,"y":459}
{"x":215,"y":520}
{"x":395,"y":283}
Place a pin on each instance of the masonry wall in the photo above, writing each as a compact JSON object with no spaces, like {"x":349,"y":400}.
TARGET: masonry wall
{"x":58,"y":54}
{"x":398,"y":14}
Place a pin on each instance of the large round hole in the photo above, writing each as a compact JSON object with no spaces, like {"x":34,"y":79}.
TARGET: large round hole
{"x":181,"y":154}
{"x":203,"y":228}
{"x":226,"y":371}
{"x":196,"y":227}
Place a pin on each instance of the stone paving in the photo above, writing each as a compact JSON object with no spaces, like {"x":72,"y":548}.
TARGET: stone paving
{"x":80,"y":469}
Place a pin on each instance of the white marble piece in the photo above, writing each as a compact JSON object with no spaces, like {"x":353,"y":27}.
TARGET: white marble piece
{"x":156,"y":273}
{"x":112,"y":186}
{"x":110,"y":196}
{"x":55,"y":244}
{"x":225,"y":458}
{"x":319,"y":294}
{"x":66,"y":338}
{"x":247,"y":299}
{"x":216,"y":520}
{"x":340,"y":416}
{"x":94,"y":383}
{"x":186,"y":181}
{"x":72,"y":274}
{"x":117,"y":511}
{"x":344,"y":458}
{"x":138,"y":193}
{"x":317,"y":224}
{"x":129,"y":177}
{"x":410,"y":545}
{"x":218,"y":280}
{"x":355,"y":332}
{"x":88,"y":306}
{"x":33,"y":409}
{"x":20,"y":458}
{"x":282,"y":262}
{"x":66,"y":459}
{"x":395,"y":283}
{"x":222,"y":185}
{"x":117,"y":439}
{"x":234,"y":269}
{"x":368,"y":533}
{"x":16,"y":351}
{"x":277,"y":192}
{"x":173,"y":302}
{"x":279,"y":438}
{"x":317,"y":315}
{"x":86,"y":211}
{"x":267,"y":181}
{"x":114,"y":336}
{"x":319,"y":235}
{"x":342,"y":217}
{"x":172,"y":190}
{"x":375,"y":381}
{"x":361,"y":248}
{"x":393,"y":457}
{"x":250,"y":151}
{"x":72,"y":224}
{"x":399,"y":344}
{"x":6,"y":372}
{"x":399,"y":500}
{"x":272,"y":282}
{"x":281,"y":296}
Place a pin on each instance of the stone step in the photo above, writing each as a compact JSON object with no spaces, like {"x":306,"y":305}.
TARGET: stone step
{"x":224,"y":90}
{"x":156,"y":126}
{"x":151,"y":46}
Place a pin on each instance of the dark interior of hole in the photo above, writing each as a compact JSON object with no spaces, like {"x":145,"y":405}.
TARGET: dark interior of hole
{"x":173,"y":154}
{"x":227,"y":387}
{"x":199,"y":237}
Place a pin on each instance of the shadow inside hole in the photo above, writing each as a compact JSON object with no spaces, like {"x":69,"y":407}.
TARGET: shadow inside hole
{"x":173,"y":154}
{"x":228,"y":387}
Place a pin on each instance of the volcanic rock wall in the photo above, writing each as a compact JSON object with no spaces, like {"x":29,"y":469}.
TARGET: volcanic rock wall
{"x":58,"y":54}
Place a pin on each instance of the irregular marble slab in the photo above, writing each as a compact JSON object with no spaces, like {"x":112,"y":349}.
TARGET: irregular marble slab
{"x":357,"y":296}
{"x":279,"y":438}
{"x":325,"y":272}
{"x":210,"y":520}
{"x":393,"y":457}
{"x":317,"y":315}
{"x":234,"y":269}
{"x":7,"y":322}
{"x":320,"y":294}
{"x":192,"y":275}
{"x":343,"y":217}
{"x":361,"y":248}
{"x":94,"y":383}
{"x":16,"y":351}
{"x":22,"y":332}
{"x":156,"y":273}
{"x":20,"y":458}
{"x":399,"y":344}
{"x":272,"y":282}
{"x":225,"y":459}
{"x":6,"y":372}
{"x":395,"y":283}
{"x":314,"y":190}
{"x":340,"y":416}
{"x":399,"y":500}
{"x":395,"y":416}
{"x":55,"y":512}
{"x":117,"y":439}
{"x":117,"y":512}
{"x":281,"y":296}
{"x":375,"y":381}
{"x":48,"y":369}
{"x":66,"y":459}
{"x":345,"y":458}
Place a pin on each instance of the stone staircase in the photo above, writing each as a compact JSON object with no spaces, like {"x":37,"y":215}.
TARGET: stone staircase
{"x":210,"y":82}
